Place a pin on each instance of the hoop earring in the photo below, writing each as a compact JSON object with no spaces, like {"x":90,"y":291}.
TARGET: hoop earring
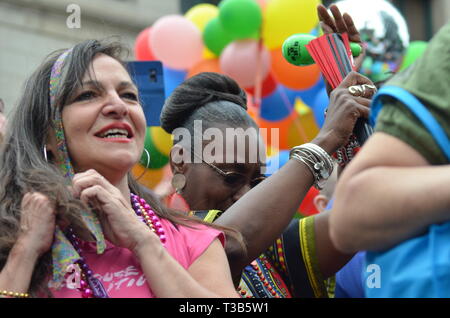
{"x":178,"y":182}
{"x":45,"y":153}
{"x":148,"y":158}
{"x":147,"y":165}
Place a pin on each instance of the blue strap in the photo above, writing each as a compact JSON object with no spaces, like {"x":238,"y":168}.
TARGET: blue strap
{"x":417,"y":108}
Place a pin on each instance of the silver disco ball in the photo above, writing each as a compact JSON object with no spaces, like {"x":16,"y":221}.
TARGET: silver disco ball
{"x":384,"y":31}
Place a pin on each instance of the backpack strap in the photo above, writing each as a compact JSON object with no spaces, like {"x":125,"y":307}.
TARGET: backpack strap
{"x":417,"y":108}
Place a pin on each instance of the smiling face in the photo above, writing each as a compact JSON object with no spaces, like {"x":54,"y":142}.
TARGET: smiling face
{"x":104,"y":123}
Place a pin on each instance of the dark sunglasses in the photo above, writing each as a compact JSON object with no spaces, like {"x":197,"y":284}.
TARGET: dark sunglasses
{"x":234,"y":179}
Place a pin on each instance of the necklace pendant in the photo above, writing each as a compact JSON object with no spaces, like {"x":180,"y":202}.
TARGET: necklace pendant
{"x":97,"y":287}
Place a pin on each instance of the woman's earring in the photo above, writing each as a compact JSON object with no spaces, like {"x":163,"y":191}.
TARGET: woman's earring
{"x":148,"y":158}
{"x":178,"y":182}
{"x":146,"y":166}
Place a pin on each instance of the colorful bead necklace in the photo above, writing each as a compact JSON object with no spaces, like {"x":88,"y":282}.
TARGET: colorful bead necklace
{"x":148,"y":216}
{"x":90,"y":286}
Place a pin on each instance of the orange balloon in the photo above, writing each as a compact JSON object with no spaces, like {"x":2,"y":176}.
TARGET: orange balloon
{"x":208,"y":65}
{"x":291,"y":76}
{"x":251,"y":109}
{"x":149,"y":178}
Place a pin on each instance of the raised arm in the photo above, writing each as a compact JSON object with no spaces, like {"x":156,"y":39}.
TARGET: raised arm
{"x":262,"y":214}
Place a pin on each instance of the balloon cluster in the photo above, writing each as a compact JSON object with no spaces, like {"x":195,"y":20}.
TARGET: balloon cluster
{"x":243,"y":39}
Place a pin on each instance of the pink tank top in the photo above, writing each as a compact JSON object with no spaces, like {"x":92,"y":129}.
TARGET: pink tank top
{"x":120,"y":273}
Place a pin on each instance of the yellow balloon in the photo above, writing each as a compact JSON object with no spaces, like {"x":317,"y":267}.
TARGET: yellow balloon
{"x":304,"y":127}
{"x":301,"y":108}
{"x":282,"y":18}
{"x":149,"y":178}
{"x":208,"y":55}
{"x":162,"y":140}
{"x":200,"y":14}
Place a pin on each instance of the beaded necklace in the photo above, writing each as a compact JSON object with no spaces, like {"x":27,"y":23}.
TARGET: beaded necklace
{"x":90,"y":286}
{"x":148,"y":216}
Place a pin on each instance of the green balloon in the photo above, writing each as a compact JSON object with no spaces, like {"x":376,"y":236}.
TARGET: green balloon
{"x":215,"y":37}
{"x":295,"y":51}
{"x":414,"y":51}
{"x":157,"y":159}
{"x":240,"y":18}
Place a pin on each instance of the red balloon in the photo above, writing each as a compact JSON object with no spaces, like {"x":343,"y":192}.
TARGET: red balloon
{"x":307,"y":207}
{"x":268,"y":86}
{"x":142,"y":49}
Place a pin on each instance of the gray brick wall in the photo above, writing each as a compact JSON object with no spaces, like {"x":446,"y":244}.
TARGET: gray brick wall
{"x":29,"y":30}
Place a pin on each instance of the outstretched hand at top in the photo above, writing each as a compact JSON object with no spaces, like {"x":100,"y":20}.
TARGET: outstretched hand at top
{"x":340,"y":24}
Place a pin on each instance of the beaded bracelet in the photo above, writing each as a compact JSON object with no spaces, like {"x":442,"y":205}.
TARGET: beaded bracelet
{"x":13,"y":295}
{"x":346,"y":153}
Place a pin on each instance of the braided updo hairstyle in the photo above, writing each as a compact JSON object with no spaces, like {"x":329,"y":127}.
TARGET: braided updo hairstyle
{"x":210,"y":97}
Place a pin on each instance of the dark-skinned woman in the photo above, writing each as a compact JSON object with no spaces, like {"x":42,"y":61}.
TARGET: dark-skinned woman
{"x":283,"y":259}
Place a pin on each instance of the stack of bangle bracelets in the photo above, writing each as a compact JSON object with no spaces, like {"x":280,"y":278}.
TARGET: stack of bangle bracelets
{"x":318,"y":161}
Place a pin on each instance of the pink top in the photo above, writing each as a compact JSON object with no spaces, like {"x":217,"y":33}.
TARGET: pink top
{"x":119,"y":271}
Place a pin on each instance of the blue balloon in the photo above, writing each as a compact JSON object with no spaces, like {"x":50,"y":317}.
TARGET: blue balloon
{"x":172,"y":78}
{"x":276,"y":162}
{"x":278,"y":105}
{"x":320,"y":104}
{"x":309,"y":95}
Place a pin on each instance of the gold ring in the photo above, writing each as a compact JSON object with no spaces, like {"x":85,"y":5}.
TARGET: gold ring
{"x":369,"y":86}
{"x":356,"y":90}
{"x":360,"y":90}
